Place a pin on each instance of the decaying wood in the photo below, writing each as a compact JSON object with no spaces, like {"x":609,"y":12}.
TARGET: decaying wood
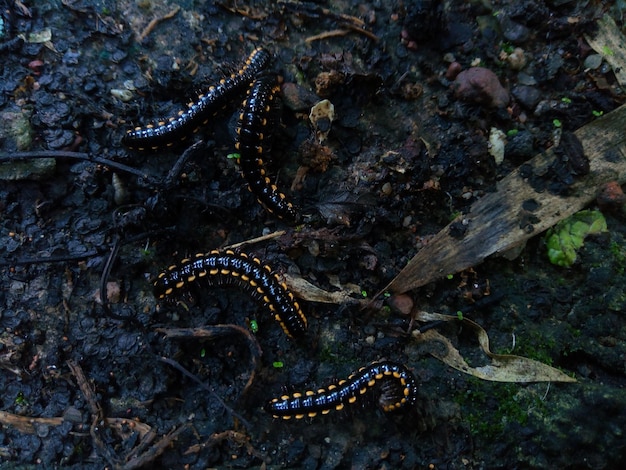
{"x":609,"y":43}
{"x":27,"y":424}
{"x":498,"y":222}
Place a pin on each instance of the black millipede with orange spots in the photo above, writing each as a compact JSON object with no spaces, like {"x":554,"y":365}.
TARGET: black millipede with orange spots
{"x":395,"y":384}
{"x":178,"y":128}
{"x":255,"y":132}
{"x":255,"y":129}
{"x":235,"y":269}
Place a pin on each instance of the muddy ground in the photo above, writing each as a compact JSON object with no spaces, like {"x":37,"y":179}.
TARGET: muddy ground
{"x":404,"y":156}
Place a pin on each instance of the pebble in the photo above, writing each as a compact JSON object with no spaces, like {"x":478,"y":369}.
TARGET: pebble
{"x":122,"y":95}
{"x":549,"y":107}
{"x":592,"y":61}
{"x":611,"y":196}
{"x":297,"y":98}
{"x":512,"y":31}
{"x":517,"y":59}
{"x":401,"y":303}
{"x":527,"y":96}
{"x":479,"y":85}
{"x":453,"y":70}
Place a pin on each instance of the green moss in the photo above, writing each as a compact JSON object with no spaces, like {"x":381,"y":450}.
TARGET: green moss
{"x":327,"y":354}
{"x":566,"y":237}
{"x":20,"y":399}
{"x":618,"y":255}
{"x":489,"y":408}
{"x":536,"y":345}
{"x":508,"y":47}
{"x":574,"y":332}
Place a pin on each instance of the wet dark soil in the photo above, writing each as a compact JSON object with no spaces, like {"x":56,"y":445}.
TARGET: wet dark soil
{"x":405,"y":154}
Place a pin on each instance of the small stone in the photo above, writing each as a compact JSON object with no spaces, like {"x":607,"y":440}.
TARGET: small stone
{"x":514,"y":32}
{"x":314,"y":248}
{"x":401,"y":303}
{"x":517,"y":59}
{"x":297,"y":98}
{"x":122,"y":95}
{"x":611,"y":196}
{"x":113,"y":293}
{"x":592,"y":62}
{"x":527,"y":96}
{"x":453,"y":70}
{"x":479,"y":85}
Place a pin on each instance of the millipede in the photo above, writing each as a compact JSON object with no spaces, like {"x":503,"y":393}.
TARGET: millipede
{"x":166,"y":133}
{"x":254,"y":143}
{"x":235,"y":269}
{"x":394,"y":382}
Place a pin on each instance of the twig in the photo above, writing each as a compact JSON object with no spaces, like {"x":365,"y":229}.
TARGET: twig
{"x":180,"y":163}
{"x":85,"y":388}
{"x":148,"y":29}
{"x":151,"y":454}
{"x":50,"y":259}
{"x":252,"y":241}
{"x":341,"y":32}
{"x":315,"y":10}
{"x":17,"y":156}
{"x":97,"y":420}
{"x":352,"y":23}
{"x":327,"y":34}
{"x":26,"y":424}
{"x":132,"y":459}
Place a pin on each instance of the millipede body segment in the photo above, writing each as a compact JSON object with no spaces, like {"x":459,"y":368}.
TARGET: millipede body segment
{"x":395,"y":384}
{"x":255,"y":132}
{"x":178,"y":128}
{"x":235,"y":269}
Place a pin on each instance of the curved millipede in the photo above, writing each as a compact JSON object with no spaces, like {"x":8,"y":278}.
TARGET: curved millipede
{"x":396,"y":384}
{"x":255,"y":134}
{"x":235,"y":269}
{"x":178,"y":128}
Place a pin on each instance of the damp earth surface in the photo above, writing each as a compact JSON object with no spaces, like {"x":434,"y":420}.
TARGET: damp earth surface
{"x":98,"y":373}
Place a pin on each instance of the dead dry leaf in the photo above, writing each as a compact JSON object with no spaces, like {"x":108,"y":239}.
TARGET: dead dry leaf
{"x":501,"y":368}
{"x":303,"y":289}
